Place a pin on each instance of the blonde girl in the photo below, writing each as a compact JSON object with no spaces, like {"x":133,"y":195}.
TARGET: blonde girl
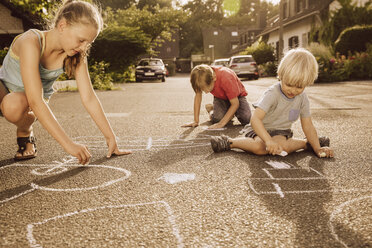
{"x":34,"y":61}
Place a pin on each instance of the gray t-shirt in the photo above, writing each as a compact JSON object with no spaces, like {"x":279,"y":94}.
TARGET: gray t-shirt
{"x":280,"y":110}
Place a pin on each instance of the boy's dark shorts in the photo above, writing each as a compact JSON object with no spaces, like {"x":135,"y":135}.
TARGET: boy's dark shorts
{"x":286,"y":133}
{"x":221,"y":106}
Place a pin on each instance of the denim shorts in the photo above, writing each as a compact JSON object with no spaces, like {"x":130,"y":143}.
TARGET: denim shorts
{"x":6,"y":88}
{"x":220,"y":107}
{"x":286,"y":133}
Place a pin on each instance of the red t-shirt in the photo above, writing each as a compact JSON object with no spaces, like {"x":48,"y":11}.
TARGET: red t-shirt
{"x":227,"y":85}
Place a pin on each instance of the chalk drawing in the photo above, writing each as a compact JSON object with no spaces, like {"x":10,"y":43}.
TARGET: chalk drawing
{"x":53,"y":169}
{"x":173,"y":178}
{"x":171,"y":218}
{"x":278,"y":164}
{"x":337,"y":211}
{"x":280,"y":167}
{"x":145,"y":143}
{"x":213,"y":129}
{"x":118,"y":114}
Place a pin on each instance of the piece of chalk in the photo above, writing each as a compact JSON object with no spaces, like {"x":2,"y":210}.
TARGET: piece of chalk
{"x":283,"y":153}
{"x":322,"y":154}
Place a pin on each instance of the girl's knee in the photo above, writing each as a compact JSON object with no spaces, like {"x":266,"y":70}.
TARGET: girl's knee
{"x":14,"y":108}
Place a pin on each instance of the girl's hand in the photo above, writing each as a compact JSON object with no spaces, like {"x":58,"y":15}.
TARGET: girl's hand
{"x":80,"y":152}
{"x":192,"y":124}
{"x":215,"y":126}
{"x":113,"y":149}
{"x":325,"y":152}
{"x":273,"y":147}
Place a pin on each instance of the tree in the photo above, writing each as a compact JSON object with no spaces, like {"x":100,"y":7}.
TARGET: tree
{"x":132,"y":32}
{"x":347,"y":15}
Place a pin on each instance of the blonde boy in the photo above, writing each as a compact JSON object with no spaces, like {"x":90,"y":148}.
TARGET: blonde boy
{"x":281,"y":105}
{"x":229,"y":95}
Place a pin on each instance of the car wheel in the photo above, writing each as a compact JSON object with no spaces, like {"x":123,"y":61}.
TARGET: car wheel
{"x":138,"y":80}
{"x":163,"y":79}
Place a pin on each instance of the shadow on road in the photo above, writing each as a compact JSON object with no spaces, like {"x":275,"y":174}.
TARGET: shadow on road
{"x":299,"y":195}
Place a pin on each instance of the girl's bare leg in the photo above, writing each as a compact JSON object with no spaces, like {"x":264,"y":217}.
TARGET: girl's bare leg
{"x":16,"y":110}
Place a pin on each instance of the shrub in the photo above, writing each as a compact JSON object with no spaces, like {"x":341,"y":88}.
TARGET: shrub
{"x":354,"y":39}
{"x":268,"y":69}
{"x":3,"y":53}
{"x":100,"y":79}
{"x":261,"y":53}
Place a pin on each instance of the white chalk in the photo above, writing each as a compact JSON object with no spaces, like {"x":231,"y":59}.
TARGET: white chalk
{"x":283,"y":153}
{"x":322,"y":155}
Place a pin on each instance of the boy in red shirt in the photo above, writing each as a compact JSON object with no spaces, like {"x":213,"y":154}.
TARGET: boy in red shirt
{"x":229,"y":95}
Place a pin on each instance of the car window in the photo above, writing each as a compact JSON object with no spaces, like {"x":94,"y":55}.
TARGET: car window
{"x":156,"y":62}
{"x":243,"y":60}
{"x":143,"y":63}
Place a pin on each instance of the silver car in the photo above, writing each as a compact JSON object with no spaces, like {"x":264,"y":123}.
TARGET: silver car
{"x":244,"y":66}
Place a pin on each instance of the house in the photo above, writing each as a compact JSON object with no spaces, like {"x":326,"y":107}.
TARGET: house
{"x":14,"y":21}
{"x":298,"y":19}
{"x":223,"y":42}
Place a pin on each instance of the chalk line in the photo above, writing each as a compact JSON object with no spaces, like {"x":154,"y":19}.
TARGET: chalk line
{"x":171,"y":218}
{"x":278,"y":189}
{"x":338,"y":210}
{"x":149,"y":144}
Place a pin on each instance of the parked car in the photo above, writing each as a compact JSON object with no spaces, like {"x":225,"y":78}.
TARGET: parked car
{"x":244,"y":66}
{"x":220,"y":62}
{"x":150,"y":69}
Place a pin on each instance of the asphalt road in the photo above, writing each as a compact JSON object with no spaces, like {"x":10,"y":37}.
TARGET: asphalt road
{"x":173,"y":191}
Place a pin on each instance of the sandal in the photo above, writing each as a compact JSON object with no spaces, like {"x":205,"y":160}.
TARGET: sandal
{"x":22,"y":142}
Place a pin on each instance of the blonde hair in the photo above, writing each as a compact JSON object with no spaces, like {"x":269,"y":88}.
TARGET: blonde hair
{"x":201,"y":75}
{"x":298,"y":68}
{"x":78,"y":12}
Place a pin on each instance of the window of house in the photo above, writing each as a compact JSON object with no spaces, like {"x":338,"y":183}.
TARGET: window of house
{"x":169,"y":49}
{"x":234,"y":33}
{"x":285,"y":10}
{"x":300,"y":5}
{"x":245,"y":38}
{"x":215,"y":33}
{"x":293,"y":42}
{"x":233,"y":46}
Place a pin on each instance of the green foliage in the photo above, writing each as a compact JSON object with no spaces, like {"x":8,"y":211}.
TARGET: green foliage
{"x":132,"y":32}
{"x":3,"y":53}
{"x":354,"y":39}
{"x":347,"y":16}
{"x":268,"y":69}
{"x":261,"y":53}
{"x":101,"y":80}
{"x":355,"y":66}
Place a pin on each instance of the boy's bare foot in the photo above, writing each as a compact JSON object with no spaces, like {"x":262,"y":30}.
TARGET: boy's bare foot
{"x":209,"y":107}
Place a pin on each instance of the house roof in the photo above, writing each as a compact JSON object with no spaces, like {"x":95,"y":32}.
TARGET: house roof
{"x":273,"y":23}
{"x":22,"y":14}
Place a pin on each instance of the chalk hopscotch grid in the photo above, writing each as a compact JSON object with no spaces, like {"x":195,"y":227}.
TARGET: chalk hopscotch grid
{"x":145,"y":143}
{"x":287,"y":167}
{"x":171,"y":218}
{"x":60,"y":167}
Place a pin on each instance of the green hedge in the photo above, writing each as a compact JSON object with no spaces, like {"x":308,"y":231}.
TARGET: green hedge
{"x":354,"y":39}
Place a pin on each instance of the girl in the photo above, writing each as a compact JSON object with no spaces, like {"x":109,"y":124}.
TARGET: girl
{"x":34,"y":61}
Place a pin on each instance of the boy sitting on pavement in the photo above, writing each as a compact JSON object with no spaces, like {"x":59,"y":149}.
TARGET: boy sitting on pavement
{"x":281,"y":105}
{"x":229,"y":96}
